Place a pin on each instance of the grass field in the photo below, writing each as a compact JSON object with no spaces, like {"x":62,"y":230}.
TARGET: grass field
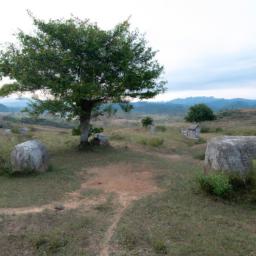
{"x":137,"y":197}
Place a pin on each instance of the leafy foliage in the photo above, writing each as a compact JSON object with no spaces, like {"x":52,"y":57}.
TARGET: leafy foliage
{"x":76,"y":131}
{"x":217,"y":184}
{"x":79,"y":66}
{"x":147,"y":121}
{"x":229,"y":184}
{"x":199,"y":113}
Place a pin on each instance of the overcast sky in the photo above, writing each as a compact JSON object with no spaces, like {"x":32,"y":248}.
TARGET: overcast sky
{"x":208,"y":47}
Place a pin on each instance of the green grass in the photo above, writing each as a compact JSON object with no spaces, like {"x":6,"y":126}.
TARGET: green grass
{"x":70,"y":233}
{"x":179,"y":220}
{"x":185,"y":221}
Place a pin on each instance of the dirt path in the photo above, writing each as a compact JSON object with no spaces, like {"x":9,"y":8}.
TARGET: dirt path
{"x":72,"y":203}
{"x":128,"y":182}
{"x":105,"y":247}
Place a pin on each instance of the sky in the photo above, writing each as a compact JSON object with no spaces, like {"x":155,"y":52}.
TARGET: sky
{"x":208,"y":47}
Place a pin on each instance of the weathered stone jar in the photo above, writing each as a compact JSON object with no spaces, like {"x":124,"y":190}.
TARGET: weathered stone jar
{"x":230,"y":153}
{"x":30,"y":156}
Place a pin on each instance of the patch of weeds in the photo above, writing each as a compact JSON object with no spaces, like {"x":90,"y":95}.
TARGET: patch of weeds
{"x":217,"y":184}
{"x":153,"y":142}
{"x":49,"y":243}
{"x":5,"y":167}
{"x":230,"y":185}
{"x":76,"y":131}
{"x":50,"y":168}
{"x":161,"y":128}
{"x":127,"y":238}
{"x":199,"y":156}
{"x":160,"y":247}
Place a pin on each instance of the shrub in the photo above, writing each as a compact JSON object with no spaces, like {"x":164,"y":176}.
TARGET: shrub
{"x":160,"y":128}
{"x":159,"y":247}
{"x":199,"y":113}
{"x":76,"y":131}
{"x":217,"y":184}
{"x":153,"y":142}
{"x":199,"y":156}
{"x":5,"y":167}
{"x":147,"y":121}
{"x":230,"y":184}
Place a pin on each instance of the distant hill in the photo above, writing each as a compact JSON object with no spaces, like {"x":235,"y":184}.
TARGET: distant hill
{"x":217,"y":104}
{"x":3,"y":108}
{"x":173,"y":107}
{"x":159,"y":108}
{"x":13,"y":105}
{"x":180,"y":106}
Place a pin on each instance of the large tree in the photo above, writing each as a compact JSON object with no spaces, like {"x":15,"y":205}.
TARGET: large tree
{"x":79,"y":67}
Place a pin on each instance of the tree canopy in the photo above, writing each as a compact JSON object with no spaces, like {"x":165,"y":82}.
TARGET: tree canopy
{"x":199,"y":113}
{"x":78,"y":66}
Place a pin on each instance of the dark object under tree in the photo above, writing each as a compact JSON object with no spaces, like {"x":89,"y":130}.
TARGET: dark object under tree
{"x":80,"y":67}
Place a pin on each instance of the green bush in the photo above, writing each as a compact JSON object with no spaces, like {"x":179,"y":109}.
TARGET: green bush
{"x":200,"y":113}
{"x":216,"y":184}
{"x":5,"y":167}
{"x":76,"y":131}
{"x":159,"y":247}
{"x":230,"y":184}
{"x":199,"y":156}
{"x":147,"y":121}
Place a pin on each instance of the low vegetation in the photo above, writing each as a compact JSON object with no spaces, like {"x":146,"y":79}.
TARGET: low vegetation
{"x":147,"y":121}
{"x":178,"y":219}
{"x":200,"y":113}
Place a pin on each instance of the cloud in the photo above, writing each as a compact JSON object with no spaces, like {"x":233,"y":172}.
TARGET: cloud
{"x":228,"y":71}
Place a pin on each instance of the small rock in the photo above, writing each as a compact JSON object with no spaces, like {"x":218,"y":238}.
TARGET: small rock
{"x":59,"y":207}
{"x":100,"y":139}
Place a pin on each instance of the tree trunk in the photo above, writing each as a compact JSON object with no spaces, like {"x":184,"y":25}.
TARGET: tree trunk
{"x":85,"y":118}
{"x":85,"y":128}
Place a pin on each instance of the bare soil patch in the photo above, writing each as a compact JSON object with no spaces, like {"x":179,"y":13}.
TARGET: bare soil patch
{"x":129,"y":183}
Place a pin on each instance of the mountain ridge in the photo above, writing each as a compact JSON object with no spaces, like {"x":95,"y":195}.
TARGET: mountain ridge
{"x":177,"y":106}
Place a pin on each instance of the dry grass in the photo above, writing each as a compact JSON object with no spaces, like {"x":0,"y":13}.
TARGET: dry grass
{"x":132,"y":219}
